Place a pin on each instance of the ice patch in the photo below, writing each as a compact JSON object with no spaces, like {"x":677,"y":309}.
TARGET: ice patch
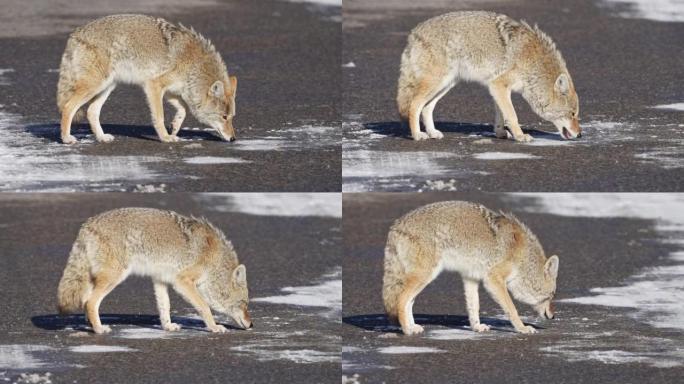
{"x":214,"y":160}
{"x":327,"y":294}
{"x":402,"y":350}
{"x":656,"y":293}
{"x":465,"y":334}
{"x":139,"y":333}
{"x":22,"y":356}
{"x":349,"y":65}
{"x":3,"y":80}
{"x":100,"y":349}
{"x":675,"y":106}
{"x":656,"y":352}
{"x":276,"y":204}
{"x":34,"y":378}
{"x":503,"y":156}
{"x":30,"y":163}
{"x":302,"y":137}
{"x":658,"y":10}
{"x":385,"y":167}
{"x":329,"y":3}
{"x":667,"y":157}
{"x":299,"y":356}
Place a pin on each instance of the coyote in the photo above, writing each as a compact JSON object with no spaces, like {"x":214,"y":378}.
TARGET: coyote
{"x":496,"y":51}
{"x":165,"y":59}
{"x":480,"y":245}
{"x":189,"y":254}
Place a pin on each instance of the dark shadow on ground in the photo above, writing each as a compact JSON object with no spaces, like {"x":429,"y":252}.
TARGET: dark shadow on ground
{"x":144,"y":132}
{"x":400,"y":129}
{"x":380,"y":323}
{"x":78,"y":322}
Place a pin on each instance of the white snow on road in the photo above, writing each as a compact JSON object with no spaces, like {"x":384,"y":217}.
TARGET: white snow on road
{"x":658,"y":10}
{"x":31,"y":163}
{"x":403,"y":350}
{"x":275,"y":204}
{"x":100,"y":349}
{"x":214,"y":160}
{"x":655,"y":294}
{"x":301,"y":137}
{"x":3,"y":80}
{"x":674,"y":106}
{"x":330,"y":3}
{"x":504,"y":156}
{"x":22,"y":356}
{"x":327,"y":294}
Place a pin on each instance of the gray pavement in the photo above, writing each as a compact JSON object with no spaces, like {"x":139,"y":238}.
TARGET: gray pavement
{"x":619,"y":262}
{"x":621,"y":67}
{"x":285,"y":55}
{"x":296,"y":331}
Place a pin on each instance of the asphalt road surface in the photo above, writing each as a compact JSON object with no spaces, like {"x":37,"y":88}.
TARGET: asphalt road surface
{"x":285,"y":55}
{"x":621,"y":66}
{"x":632,"y":262}
{"x":296,"y":331}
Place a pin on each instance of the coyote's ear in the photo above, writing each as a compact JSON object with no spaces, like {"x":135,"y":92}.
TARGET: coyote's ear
{"x":240,"y":275}
{"x":216,"y":89}
{"x":233,"y":83}
{"x":551,"y":267}
{"x":563,"y":84}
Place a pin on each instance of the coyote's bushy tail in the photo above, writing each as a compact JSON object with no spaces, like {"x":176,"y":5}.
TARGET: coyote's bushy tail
{"x":67,"y":78}
{"x":405,"y":85}
{"x":393,"y":279}
{"x":76,"y":282}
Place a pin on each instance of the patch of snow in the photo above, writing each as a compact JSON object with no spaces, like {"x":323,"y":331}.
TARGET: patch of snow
{"x":402,"y":350}
{"x":667,"y":157}
{"x":329,"y":3}
{"x":275,"y":204}
{"x":376,"y":164}
{"x":658,"y":10}
{"x":674,"y":106}
{"x":150,"y":188}
{"x":3,"y":80}
{"x":22,"y":356}
{"x":30,"y":163}
{"x":349,"y":65}
{"x":656,"y":293}
{"x":503,"y":156}
{"x":214,"y":160}
{"x":140,"y":333}
{"x":465,"y":334}
{"x":100,"y":349}
{"x":35,"y":378}
{"x":327,"y":294}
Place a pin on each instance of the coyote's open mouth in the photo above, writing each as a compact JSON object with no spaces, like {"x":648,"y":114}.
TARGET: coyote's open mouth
{"x":566,"y":134}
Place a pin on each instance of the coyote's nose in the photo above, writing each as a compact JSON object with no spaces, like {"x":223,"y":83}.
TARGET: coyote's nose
{"x":232,"y":139}
{"x":579,"y":135}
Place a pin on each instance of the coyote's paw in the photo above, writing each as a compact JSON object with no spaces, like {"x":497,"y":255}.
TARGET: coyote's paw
{"x":170,"y":139}
{"x":435,"y":134}
{"x":106,"y":138}
{"x":68,"y":139}
{"x":171,"y":327}
{"x":527,"y":329}
{"x":413,"y":329}
{"x":218,"y":328}
{"x":480,"y":327}
{"x":102,"y":329}
{"x":501,"y":132}
{"x":524,"y":138}
{"x":420,"y":136}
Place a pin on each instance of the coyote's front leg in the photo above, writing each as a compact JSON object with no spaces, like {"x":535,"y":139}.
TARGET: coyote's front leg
{"x":502,"y":97}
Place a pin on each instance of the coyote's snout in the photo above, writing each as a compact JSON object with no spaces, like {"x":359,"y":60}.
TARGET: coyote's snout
{"x":500,"y":53}
{"x":189,"y":254}
{"x":480,"y":245}
{"x":170,"y":62}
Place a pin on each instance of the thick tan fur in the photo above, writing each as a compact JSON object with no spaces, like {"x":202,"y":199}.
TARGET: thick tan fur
{"x":480,"y":245}
{"x":168,"y":61}
{"x":189,"y":254}
{"x":500,"y":53}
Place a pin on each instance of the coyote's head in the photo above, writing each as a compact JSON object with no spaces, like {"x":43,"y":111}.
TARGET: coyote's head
{"x":216,"y":106}
{"x":555,"y":100}
{"x":229,"y":295}
{"x":536,"y":285}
